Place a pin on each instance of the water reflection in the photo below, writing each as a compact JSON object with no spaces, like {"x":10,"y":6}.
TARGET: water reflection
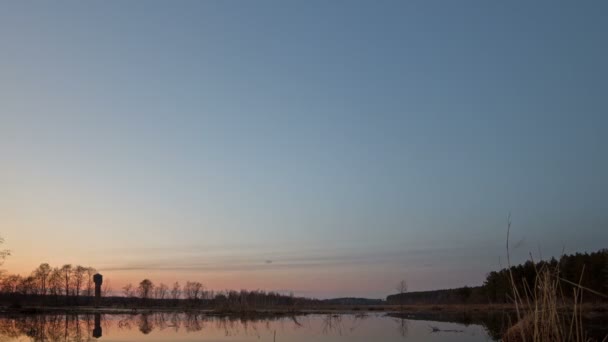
{"x":495,"y":323}
{"x":402,"y":326}
{"x":197,"y":326}
{"x":97,"y":331}
{"x":51,"y":327}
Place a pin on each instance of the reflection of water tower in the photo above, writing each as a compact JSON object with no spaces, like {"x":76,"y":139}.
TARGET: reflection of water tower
{"x":97,"y":279}
{"x":97,"y":330}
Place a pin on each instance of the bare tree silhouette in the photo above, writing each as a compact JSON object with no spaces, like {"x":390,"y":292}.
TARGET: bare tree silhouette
{"x":145,"y":289}
{"x":106,"y":289}
{"x":42,"y":274}
{"x":90,"y":284}
{"x":401,"y":290}
{"x":78,"y":274}
{"x":176,"y":291}
{"x":4,"y":252}
{"x":128,"y":290}
{"x":66,"y":272}
{"x":161,"y":291}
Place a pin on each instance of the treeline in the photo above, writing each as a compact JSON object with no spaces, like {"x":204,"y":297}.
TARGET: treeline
{"x":581,"y":269}
{"x":353,"y":301}
{"x":589,"y":270}
{"x":463,"y":295}
{"x":73,"y":285}
{"x":195,"y":294}
{"x":64,"y":281}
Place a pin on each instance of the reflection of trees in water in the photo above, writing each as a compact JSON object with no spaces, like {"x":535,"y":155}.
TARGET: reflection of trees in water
{"x":148,"y":322}
{"x":145,"y":324}
{"x":296,"y":323}
{"x":358,"y":321}
{"x":340,"y":324}
{"x":126,"y":322}
{"x":402,"y":326}
{"x":193,"y":322}
{"x":176,"y":323}
{"x":83,"y":327}
{"x":495,"y":323}
{"x":332,"y":323}
{"x":160,"y":321}
{"x":253,"y":326}
{"x":250,"y":329}
{"x":72,"y":328}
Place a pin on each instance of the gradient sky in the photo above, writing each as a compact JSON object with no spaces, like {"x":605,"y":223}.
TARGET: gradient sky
{"x":329,"y":148}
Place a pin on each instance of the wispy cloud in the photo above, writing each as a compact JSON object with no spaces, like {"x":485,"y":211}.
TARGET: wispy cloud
{"x":258,"y":259}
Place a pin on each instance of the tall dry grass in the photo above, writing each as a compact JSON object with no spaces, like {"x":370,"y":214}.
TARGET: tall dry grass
{"x":544,"y":312}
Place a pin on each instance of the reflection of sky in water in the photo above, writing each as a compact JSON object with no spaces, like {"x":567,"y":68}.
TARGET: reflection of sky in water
{"x":182,"y":327}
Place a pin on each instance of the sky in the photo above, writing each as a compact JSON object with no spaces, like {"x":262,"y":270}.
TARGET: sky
{"x":329,"y":148}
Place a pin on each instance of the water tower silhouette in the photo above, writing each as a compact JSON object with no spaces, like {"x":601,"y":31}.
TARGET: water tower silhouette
{"x":97,"y":279}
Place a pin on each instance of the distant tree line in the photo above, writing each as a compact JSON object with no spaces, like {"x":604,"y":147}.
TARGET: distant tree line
{"x":352,"y":301}
{"x":462,"y":295}
{"x":581,"y":269}
{"x":54,"y":285}
{"x":73,"y":285}
{"x":589,"y":270}
{"x":67,"y":280}
{"x":195,"y":294}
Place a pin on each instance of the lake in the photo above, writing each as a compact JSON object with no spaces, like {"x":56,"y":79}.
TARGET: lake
{"x":200,"y":327}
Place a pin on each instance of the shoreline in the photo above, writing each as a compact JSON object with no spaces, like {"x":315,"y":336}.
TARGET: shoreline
{"x":425,"y":309}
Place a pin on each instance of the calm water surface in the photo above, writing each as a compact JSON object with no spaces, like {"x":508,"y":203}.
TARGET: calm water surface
{"x":183,"y":327}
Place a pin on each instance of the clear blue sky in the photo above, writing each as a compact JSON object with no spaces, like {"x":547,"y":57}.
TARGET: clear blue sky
{"x":325,"y":147}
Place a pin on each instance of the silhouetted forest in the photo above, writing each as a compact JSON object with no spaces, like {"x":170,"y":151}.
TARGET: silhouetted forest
{"x":587,"y":270}
{"x":352,"y":301}
{"x":50,"y":285}
{"x":73,"y":285}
